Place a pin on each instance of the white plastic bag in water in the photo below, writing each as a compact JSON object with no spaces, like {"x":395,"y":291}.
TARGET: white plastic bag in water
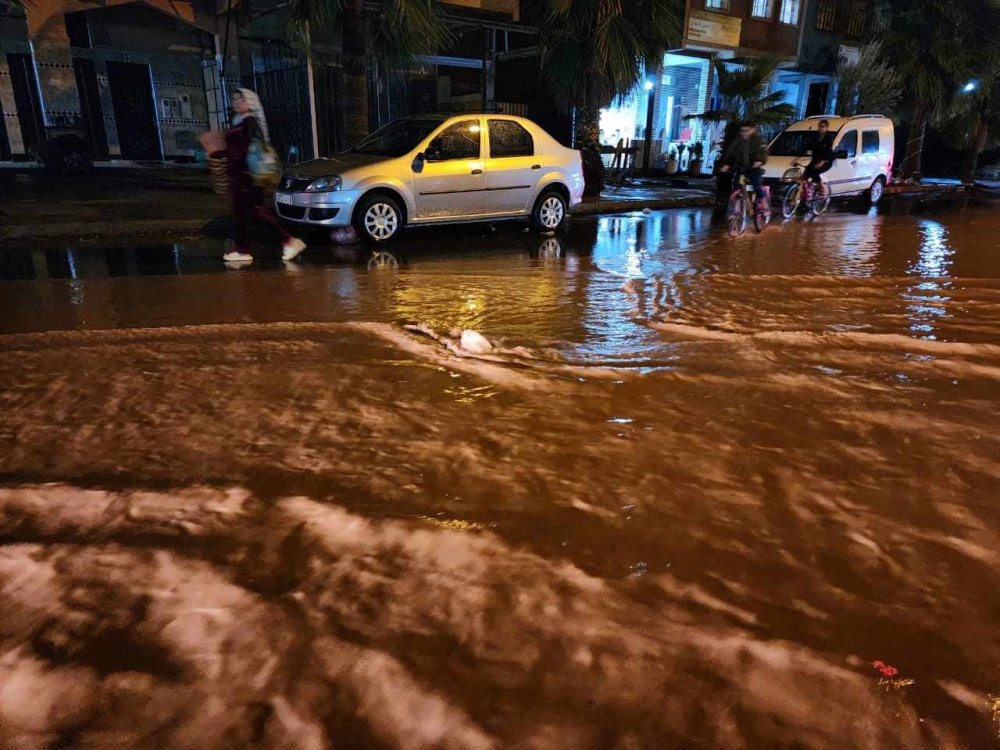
{"x":475,"y":343}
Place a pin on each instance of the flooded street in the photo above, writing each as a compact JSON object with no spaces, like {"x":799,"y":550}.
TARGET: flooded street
{"x":702,"y":493}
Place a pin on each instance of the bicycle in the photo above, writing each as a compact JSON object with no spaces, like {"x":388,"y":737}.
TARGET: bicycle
{"x":742,"y":207}
{"x":815,"y":197}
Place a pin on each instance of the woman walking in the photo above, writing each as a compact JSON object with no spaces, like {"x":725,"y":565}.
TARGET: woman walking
{"x":250,"y":127}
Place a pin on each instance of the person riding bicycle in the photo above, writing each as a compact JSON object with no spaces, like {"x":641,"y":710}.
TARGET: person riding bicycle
{"x":821,"y":148}
{"x":748,"y":155}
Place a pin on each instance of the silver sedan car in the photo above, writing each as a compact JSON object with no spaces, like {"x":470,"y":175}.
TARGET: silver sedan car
{"x":436,"y":170}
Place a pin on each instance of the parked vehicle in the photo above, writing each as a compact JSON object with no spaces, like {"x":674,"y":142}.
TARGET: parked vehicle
{"x":865,"y":149}
{"x":435,"y":170}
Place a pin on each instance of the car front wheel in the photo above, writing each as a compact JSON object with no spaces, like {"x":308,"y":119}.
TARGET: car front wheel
{"x":378,"y":219}
{"x":550,"y":212}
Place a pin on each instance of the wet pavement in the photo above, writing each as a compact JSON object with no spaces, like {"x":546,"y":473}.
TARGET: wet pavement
{"x":702,"y":493}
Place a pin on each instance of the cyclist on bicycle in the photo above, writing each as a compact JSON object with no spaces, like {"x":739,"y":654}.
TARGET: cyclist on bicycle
{"x":821,"y":148}
{"x":748,"y":155}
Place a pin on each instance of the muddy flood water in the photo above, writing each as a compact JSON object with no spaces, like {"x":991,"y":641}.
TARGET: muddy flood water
{"x":702,"y":493}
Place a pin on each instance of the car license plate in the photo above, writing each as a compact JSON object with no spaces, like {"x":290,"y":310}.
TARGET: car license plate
{"x":282,"y":198}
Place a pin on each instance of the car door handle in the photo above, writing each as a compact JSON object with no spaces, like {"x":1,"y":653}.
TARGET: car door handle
{"x":477,"y":171}
{"x":536,"y":166}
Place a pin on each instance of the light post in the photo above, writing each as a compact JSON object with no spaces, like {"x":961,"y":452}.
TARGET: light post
{"x":647,"y":154}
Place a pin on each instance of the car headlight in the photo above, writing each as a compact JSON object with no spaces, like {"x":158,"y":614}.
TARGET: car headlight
{"x":792,"y":175}
{"x":325,"y":185}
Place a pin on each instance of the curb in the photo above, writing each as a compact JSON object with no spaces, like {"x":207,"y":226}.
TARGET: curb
{"x":589,"y":208}
{"x":95,"y":229}
{"x":90,"y":229}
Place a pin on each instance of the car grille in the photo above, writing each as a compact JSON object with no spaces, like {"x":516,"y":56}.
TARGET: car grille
{"x":296,"y":213}
{"x":291,"y":184}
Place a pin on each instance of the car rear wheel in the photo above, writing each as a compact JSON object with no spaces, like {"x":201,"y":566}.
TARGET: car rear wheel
{"x":550,"y":212}
{"x":378,"y":218}
{"x":874,"y":194}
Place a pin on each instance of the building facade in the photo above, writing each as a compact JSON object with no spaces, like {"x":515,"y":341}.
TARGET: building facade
{"x":139,"y":80}
{"x":682,"y":84}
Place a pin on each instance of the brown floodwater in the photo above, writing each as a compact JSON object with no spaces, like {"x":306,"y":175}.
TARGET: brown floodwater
{"x":703,"y":493}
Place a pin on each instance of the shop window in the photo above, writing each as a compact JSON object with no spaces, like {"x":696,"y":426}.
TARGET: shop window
{"x":827,"y":18}
{"x":722,"y":5}
{"x":762,"y":9}
{"x":849,"y":143}
{"x":857,"y":19}
{"x":790,"y":12}
{"x":507,"y":139}
{"x":460,"y":141}
{"x":869,"y":142}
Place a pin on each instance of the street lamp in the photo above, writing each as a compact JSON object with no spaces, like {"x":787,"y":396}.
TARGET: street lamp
{"x":650,"y":95}
{"x":970,"y":87}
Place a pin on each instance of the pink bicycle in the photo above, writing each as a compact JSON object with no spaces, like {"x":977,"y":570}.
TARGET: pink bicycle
{"x":814,"y":196}
{"x":744,"y":205}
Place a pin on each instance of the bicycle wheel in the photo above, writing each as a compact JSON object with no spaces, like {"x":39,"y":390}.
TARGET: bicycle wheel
{"x":791,"y":201}
{"x":736,"y":217}
{"x":760,"y":218}
{"x":821,"y":201}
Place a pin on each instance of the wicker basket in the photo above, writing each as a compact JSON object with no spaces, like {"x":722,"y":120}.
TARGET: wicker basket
{"x":220,"y":178}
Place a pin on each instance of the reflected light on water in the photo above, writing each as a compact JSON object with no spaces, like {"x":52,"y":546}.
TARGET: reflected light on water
{"x":926,"y":304}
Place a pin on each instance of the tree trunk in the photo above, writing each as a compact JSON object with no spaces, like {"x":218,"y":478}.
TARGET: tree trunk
{"x":977,"y":144}
{"x":913,"y":161}
{"x":588,"y":140}
{"x":355,"y":104}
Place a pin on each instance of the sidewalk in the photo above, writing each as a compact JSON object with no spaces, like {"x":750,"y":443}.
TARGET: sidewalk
{"x":117,"y":202}
{"x":110,"y":201}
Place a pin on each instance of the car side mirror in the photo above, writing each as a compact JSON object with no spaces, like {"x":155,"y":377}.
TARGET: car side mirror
{"x":418,"y":162}
{"x":842,"y":154}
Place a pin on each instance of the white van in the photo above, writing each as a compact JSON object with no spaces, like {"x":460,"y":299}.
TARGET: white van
{"x":865,"y":146}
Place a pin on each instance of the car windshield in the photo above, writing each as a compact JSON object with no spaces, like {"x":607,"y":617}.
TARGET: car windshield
{"x":792,"y":143}
{"x":396,"y":138}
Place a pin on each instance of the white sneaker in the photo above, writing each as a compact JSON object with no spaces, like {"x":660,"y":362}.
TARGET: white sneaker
{"x":292,"y":249}
{"x":235,"y":257}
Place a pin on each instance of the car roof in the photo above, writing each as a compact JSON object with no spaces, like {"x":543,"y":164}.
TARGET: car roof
{"x":836,"y":123}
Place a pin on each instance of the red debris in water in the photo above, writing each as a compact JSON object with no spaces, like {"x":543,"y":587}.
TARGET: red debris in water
{"x":887,"y":670}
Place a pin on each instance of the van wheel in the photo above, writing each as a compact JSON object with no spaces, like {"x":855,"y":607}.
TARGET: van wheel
{"x":873,"y":195}
{"x":378,"y":218}
{"x":550,"y":212}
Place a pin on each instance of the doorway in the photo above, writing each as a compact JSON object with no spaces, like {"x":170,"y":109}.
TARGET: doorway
{"x":27,"y":101}
{"x":819,"y":93}
{"x":90,"y":105}
{"x":131,"y":87}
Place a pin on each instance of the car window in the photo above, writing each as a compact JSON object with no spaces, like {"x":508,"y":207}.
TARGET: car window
{"x":508,"y":138}
{"x":458,"y":141}
{"x":849,"y":143}
{"x":869,"y":142}
{"x":397,"y":138}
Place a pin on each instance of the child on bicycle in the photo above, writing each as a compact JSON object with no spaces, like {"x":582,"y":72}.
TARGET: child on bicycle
{"x":748,"y":155}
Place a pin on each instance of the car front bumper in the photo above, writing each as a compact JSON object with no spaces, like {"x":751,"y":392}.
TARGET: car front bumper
{"x":333,"y":209}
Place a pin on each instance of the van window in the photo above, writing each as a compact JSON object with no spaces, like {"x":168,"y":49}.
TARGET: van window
{"x":869,"y":142}
{"x":849,"y":143}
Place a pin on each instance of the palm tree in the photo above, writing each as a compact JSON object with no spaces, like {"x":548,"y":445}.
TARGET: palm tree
{"x":391,"y":32}
{"x":870,"y":85}
{"x":742,"y":89}
{"x":594,"y":51}
{"x":935,"y":48}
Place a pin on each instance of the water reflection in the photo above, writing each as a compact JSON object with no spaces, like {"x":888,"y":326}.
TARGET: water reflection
{"x":927,"y":301}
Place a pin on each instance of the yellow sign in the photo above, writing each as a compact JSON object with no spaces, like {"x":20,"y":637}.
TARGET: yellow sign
{"x":714,"y":28}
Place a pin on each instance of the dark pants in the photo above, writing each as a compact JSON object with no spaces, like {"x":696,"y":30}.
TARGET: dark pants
{"x":248,"y":207}
{"x":813,"y":174}
{"x":756,"y":178}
